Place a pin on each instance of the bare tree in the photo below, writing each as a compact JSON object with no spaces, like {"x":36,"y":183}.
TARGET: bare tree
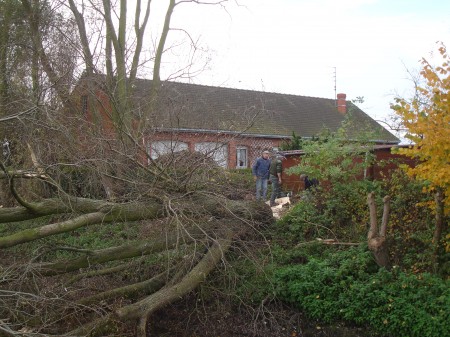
{"x":75,"y":177}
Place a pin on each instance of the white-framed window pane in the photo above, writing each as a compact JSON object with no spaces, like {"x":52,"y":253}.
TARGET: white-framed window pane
{"x":217,"y":151}
{"x":241,"y":157}
{"x":162,"y":147}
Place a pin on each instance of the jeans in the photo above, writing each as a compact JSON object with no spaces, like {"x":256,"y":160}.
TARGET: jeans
{"x":261,"y":188}
{"x":275,"y":188}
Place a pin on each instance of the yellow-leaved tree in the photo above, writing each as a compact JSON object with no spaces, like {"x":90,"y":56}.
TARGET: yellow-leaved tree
{"x":426,"y":118}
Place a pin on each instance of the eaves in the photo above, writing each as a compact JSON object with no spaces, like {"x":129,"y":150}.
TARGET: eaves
{"x":223,"y":132}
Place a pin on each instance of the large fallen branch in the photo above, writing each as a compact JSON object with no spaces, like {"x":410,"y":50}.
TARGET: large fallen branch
{"x":191,"y":231}
{"x":160,"y":243}
{"x":145,"y":307}
{"x":225,"y":220}
{"x":95,"y":212}
{"x":147,"y":286}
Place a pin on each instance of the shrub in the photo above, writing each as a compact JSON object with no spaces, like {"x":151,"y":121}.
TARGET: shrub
{"x":303,"y":222}
{"x":348,"y":286}
{"x":337,"y":213}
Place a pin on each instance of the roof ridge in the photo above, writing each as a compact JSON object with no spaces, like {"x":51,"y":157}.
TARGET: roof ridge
{"x":229,"y":88}
{"x":237,"y":89}
{"x":199,"y":106}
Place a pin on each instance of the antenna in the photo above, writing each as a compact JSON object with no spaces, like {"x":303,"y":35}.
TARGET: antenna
{"x":335,"y":79}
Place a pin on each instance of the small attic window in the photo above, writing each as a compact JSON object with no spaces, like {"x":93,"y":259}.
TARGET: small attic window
{"x":84,"y":104}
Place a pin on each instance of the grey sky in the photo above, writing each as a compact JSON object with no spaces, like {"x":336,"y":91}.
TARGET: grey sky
{"x":294,"y":46}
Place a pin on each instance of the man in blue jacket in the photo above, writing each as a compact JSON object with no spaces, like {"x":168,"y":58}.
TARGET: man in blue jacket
{"x":260,"y":170}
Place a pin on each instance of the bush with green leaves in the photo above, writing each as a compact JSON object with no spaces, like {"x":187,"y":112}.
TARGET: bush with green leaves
{"x":411,"y":223}
{"x":338,"y":209}
{"x":303,"y":222}
{"x":348,"y":286}
{"x":295,"y":143}
{"x":339,"y":204}
{"x":336,"y":156}
{"x":339,"y":213}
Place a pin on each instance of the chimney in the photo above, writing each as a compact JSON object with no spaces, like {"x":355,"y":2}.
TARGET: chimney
{"x":341,"y":103}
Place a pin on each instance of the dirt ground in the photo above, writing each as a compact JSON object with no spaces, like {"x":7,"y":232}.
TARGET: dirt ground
{"x":215,"y":320}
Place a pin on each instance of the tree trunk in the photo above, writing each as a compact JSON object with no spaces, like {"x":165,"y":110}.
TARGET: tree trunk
{"x":440,"y":224}
{"x":139,"y":311}
{"x":377,"y":240}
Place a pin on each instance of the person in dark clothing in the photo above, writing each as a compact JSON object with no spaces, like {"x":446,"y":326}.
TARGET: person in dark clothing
{"x":260,"y":170}
{"x":276,"y":170}
{"x":309,"y":183}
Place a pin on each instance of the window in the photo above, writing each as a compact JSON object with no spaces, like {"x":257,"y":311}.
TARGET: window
{"x":217,"y":151}
{"x":166,"y":146}
{"x":241,"y":157}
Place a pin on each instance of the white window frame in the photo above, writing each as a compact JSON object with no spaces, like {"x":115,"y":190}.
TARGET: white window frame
{"x":161,"y":147}
{"x":217,"y":151}
{"x":245,"y":161}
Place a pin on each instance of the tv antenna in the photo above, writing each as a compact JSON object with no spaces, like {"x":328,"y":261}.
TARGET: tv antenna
{"x":335,"y":79}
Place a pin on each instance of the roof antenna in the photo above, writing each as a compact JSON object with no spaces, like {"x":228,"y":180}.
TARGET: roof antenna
{"x":335,"y":78}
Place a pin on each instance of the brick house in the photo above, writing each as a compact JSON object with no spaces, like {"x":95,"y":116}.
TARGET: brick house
{"x":233,"y":125}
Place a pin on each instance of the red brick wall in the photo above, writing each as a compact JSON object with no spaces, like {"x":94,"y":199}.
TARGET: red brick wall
{"x":101,"y":102}
{"x":254,"y":145}
{"x":386,"y":162}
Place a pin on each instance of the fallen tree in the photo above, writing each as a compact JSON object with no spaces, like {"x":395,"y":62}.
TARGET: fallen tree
{"x":95,"y":233}
{"x":193,"y":231}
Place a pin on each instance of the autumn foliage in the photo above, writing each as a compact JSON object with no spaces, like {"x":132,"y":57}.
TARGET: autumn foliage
{"x":427,"y":120}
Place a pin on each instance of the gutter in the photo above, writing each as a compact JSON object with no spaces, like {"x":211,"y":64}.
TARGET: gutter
{"x":257,"y":135}
{"x":362,"y":149}
{"x":226,"y":132}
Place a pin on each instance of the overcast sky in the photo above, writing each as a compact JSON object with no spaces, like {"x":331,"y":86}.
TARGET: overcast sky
{"x":302,"y":46}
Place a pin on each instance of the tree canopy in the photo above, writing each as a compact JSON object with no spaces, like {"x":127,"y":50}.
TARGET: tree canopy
{"x":427,"y":119}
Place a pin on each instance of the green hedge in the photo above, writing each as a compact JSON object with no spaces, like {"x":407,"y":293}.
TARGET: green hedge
{"x":348,"y":286}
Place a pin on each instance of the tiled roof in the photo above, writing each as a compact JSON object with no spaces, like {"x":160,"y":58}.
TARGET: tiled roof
{"x":198,"y":107}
